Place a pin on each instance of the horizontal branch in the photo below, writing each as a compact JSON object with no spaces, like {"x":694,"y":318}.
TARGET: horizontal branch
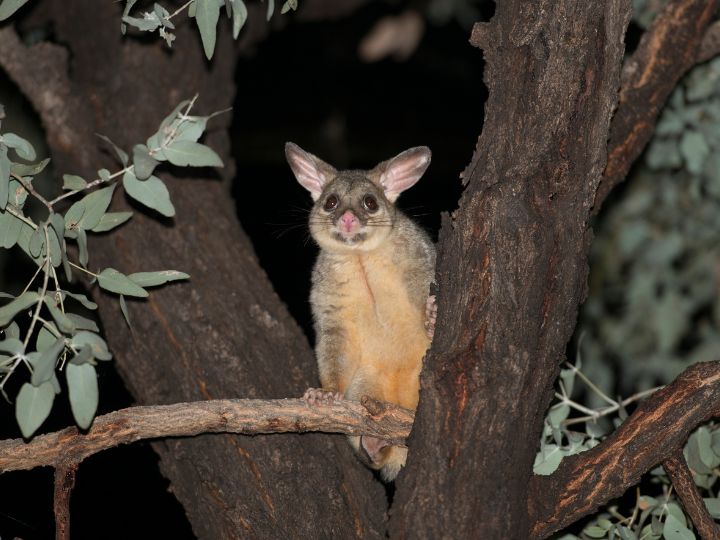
{"x":651,"y":435}
{"x":244,"y":416}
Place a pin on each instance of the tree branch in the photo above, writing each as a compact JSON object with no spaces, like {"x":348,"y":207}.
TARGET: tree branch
{"x":667,"y":50}
{"x":652,"y":434}
{"x":64,"y":483}
{"x":677,"y":469}
{"x":246,"y":416}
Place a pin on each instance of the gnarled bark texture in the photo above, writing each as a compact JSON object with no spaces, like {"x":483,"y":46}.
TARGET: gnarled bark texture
{"x":205,"y":339}
{"x":512,"y":267}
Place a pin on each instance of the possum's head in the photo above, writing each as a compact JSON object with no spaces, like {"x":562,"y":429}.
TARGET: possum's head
{"x":355,"y":210}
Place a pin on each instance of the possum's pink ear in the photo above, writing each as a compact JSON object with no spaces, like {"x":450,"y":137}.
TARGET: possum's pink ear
{"x":402,"y":171}
{"x":311,"y":171}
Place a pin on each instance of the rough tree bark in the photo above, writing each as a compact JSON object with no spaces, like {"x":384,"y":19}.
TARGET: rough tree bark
{"x":203,"y":340}
{"x":513,"y":267}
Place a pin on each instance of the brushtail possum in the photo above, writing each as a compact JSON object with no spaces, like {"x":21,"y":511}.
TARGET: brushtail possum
{"x":370,"y":298}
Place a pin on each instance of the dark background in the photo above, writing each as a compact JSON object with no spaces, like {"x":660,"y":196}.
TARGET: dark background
{"x":304,"y":84}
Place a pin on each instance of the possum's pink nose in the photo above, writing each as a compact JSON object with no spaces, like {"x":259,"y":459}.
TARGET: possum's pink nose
{"x":348,"y":222}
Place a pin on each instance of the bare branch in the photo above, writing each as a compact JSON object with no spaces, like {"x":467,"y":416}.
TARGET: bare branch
{"x":652,"y":434}
{"x":667,"y":50}
{"x":677,"y":469}
{"x":246,"y":416}
{"x":64,"y":483}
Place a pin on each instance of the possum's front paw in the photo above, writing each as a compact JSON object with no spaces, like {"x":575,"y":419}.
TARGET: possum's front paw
{"x":318,"y":396}
{"x":430,"y":316}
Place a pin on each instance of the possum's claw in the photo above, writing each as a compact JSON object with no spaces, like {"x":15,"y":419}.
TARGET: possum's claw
{"x":318,"y":396}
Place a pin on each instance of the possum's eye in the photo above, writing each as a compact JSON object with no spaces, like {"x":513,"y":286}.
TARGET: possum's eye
{"x":331,"y":203}
{"x":370,"y":203}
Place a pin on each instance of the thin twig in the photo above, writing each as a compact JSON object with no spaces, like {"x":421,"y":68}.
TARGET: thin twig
{"x":64,"y":483}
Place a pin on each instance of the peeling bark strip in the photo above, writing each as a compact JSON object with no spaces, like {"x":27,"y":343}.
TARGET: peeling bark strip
{"x":669,"y":48}
{"x":677,"y":469}
{"x":654,"y":433}
{"x":245,"y":416}
{"x":512,"y":267}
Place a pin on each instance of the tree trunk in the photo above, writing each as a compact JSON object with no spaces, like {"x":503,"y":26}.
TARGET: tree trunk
{"x":512,"y":267}
{"x":225,"y":333}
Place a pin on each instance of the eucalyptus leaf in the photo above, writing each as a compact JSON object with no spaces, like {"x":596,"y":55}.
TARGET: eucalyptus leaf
{"x":146,"y":24}
{"x":24,"y":301}
{"x":12,"y":345}
{"x":83,"y":390}
{"x":8,"y":7}
{"x":10,"y":228}
{"x":64,"y":324}
{"x":12,"y":330}
{"x":713,"y":506}
{"x":4,"y":177}
{"x":151,"y":192}
{"x":32,"y":169}
{"x":82,"y":323}
{"x":95,"y":204}
{"x":124,"y":310}
{"x":82,"y":247}
{"x":207,"y":13}
{"x":92,"y":341}
{"x":152,"y":279}
{"x":73,"y":182}
{"x":270,"y":8}
{"x":46,"y":337}
{"x":32,"y":406}
{"x":189,"y":153}
{"x":114,"y":281}
{"x":37,"y":242}
{"x":239,"y":17}
{"x":84,"y":300}
{"x":44,"y":366}
{"x":83,"y":356}
{"x":288,"y":5}
{"x":111,"y":220}
{"x":21,"y":146}
{"x":675,"y":530}
{"x":143,"y":163}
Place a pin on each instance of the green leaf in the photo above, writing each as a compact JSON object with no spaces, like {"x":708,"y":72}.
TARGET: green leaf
{"x":44,"y":365}
{"x":64,"y":324}
{"x":12,"y":345}
{"x":114,"y":281}
{"x":32,"y":169}
{"x":10,"y":228}
{"x":37,"y":241}
{"x":12,"y":330}
{"x":4,"y":177}
{"x":17,"y":195}
{"x":73,"y":216}
{"x":558,"y":413}
{"x":73,"y":182}
{"x":8,"y":7}
{"x":55,"y":245}
{"x":82,"y":323}
{"x":24,"y":301}
{"x":119,"y":152}
{"x":189,"y":153}
{"x":95,"y":204}
{"x":22,"y":147}
{"x":144,"y":164}
{"x":82,"y":247}
{"x":126,"y":11}
{"x":33,"y":406}
{"x":152,"y":279}
{"x":240,"y":14}
{"x":92,"y":341}
{"x":694,"y":149}
{"x":207,"y":13}
{"x":713,"y":506}
{"x":46,"y":337}
{"x":146,"y":24}
{"x":151,"y":192}
{"x":674,"y":530}
{"x":593,"y":531}
{"x":124,"y":310}
{"x":547,"y":460}
{"x":83,"y":390}
{"x":191,"y":10}
{"x":288,"y":5}
{"x":270,"y":9}
{"x":83,"y":356}
{"x":111,"y":220}
{"x":82,"y":299}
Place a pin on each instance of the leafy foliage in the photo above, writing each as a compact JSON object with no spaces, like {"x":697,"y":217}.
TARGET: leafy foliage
{"x":657,"y":513}
{"x":47,"y":311}
{"x":206,"y":14}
